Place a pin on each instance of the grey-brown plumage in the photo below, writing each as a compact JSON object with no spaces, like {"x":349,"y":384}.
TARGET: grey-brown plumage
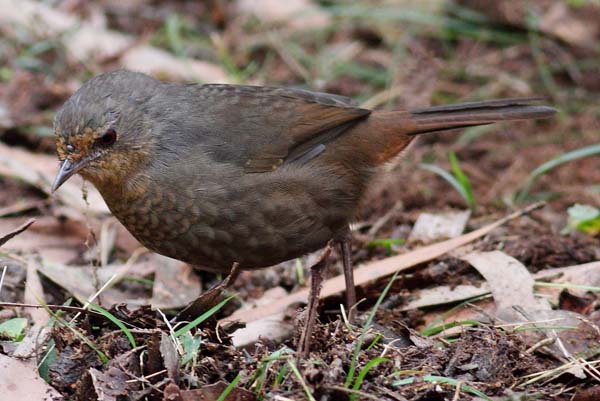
{"x":217,"y":174}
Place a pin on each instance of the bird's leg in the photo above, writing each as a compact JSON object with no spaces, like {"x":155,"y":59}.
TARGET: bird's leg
{"x":346,"y":252}
{"x":316,"y":279}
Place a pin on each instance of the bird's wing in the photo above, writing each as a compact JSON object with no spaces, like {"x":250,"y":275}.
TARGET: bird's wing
{"x":261,"y":128}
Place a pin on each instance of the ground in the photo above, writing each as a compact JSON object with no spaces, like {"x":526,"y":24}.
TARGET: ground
{"x":445,"y":328}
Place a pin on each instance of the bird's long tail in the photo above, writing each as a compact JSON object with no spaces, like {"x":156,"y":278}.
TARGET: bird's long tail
{"x":392,"y":131}
{"x":431,"y":119}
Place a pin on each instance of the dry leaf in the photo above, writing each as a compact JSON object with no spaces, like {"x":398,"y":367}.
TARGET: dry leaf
{"x":510,"y":282}
{"x":210,"y":392}
{"x":53,"y":240}
{"x":79,"y":280}
{"x":295,"y":14}
{"x":445,"y":294}
{"x":160,"y":63}
{"x":435,"y":227}
{"x":34,"y":294}
{"x":19,"y":380}
{"x":175,"y":284}
{"x":272,"y":327}
{"x":39,"y":171}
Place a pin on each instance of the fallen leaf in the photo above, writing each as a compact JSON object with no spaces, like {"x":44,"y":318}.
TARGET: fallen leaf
{"x":510,"y":283}
{"x":39,"y":170}
{"x":79,"y":280}
{"x":169,"y":356}
{"x":577,"y":274}
{"x":445,"y":294}
{"x":577,"y":24}
{"x":434,"y":227}
{"x":86,"y":41}
{"x":271,"y":327}
{"x":19,"y":380}
{"x":34,"y":294}
{"x":160,"y":63}
{"x":295,"y":14}
{"x":54,"y":240}
{"x":175,"y":284}
{"x":211,"y":392}
{"x":110,"y":385}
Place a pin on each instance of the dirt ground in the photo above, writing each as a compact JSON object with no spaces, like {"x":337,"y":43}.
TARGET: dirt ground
{"x":511,"y":313}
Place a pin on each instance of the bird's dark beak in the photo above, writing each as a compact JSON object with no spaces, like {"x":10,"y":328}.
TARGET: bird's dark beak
{"x":67,"y":169}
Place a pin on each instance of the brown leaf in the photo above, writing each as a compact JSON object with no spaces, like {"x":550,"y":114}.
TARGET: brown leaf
{"x":435,"y":227}
{"x":210,"y":392}
{"x":170,"y":357}
{"x":34,"y":292}
{"x":109,"y":385}
{"x":79,"y":280}
{"x":19,"y":380}
{"x":510,"y":282}
{"x":295,"y":14}
{"x":39,"y":171}
{"x":175,"y":284}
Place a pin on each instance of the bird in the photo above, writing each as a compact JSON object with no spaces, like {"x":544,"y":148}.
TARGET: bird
{"x":217,"y":175}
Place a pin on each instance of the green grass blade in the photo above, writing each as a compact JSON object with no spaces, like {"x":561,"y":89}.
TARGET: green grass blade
{"x":203,"y":317}
{"x":117,"y":322}
{"x":387,"y":243}
{"x":449,"y":178}
{"x":444,"y":380}
{"x":294,"y":369}
{"x":229,"y":387}
{"x":472,"y":133}
{"x":464,"y":181}
{"x":173,"y":28}
{"x":438,"y":329}
{"x":363,"y":372}
{"x":449,"y":312}
{"x":544,"y":168}
{"x":359,"y":342}
{"x":89,"y":343}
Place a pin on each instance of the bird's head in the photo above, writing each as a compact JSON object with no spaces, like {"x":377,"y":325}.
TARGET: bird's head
{"x":102,"y":132}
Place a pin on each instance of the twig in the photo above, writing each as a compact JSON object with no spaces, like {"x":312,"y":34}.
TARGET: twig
{"x":539,"y":344}
{"x":2,"y":278}
{"x":51,"y":307}
{"x":4,"y":239}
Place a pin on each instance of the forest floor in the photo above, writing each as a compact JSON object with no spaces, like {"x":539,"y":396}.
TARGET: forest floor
{"x":478,"y":306}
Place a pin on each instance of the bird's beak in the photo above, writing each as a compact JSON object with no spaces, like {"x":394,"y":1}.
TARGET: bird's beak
{"x":67,"y":169}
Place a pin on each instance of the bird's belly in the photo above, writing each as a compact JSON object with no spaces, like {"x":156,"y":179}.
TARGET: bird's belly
{"x":253,"y":228}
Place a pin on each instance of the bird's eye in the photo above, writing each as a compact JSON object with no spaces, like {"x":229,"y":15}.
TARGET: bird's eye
{"x":109,"y":137}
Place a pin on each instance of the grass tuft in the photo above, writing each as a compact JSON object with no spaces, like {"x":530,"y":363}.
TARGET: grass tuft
{"x":457,"y":179}
{"x":367,"y":325}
